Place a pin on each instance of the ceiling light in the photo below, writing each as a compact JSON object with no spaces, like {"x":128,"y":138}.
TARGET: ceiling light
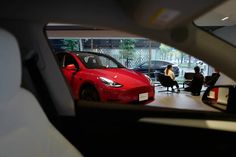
{"x":225,"y":18}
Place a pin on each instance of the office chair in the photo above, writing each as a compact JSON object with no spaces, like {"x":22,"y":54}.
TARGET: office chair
{"x":165,"y":81}
{"x":188,"y":77}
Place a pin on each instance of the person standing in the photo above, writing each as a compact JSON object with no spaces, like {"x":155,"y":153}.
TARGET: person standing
{"x":169,"y":72}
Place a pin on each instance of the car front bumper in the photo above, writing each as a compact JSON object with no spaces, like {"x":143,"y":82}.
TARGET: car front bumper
{"x":136,"y":95}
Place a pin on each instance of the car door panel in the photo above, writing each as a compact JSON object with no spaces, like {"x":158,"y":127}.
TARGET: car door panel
{"x":105,"y":130}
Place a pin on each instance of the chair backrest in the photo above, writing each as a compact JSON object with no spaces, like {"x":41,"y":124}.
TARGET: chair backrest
{"x":24,"y":128}
{"x":207,"y":79}
{"x":188,"y":75}
{"x":165,"y":81}
{"x":211,"y":80}
{"x":92,"y":63}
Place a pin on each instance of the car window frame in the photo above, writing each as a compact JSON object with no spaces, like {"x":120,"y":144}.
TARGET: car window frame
{"x":193,"y":111}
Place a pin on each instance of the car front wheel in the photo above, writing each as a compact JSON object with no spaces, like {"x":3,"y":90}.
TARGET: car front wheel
{"x":89,"y":93}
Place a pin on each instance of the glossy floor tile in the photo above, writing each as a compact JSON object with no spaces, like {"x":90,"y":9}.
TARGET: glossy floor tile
{"x":182,"y":100}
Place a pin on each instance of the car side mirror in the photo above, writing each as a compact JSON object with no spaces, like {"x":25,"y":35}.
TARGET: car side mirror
{"x":71,"y":67}
{"x":222,"y":98}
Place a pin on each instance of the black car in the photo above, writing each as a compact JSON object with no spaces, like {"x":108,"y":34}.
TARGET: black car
{"x":156,"y":67}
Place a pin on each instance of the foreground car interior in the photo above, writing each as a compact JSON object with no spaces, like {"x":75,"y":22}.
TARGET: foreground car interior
{"x":24,"y":126}
{"x":39,"y":116}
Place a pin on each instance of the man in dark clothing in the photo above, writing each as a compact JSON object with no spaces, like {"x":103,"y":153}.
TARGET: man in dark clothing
{"x":197,"y":82}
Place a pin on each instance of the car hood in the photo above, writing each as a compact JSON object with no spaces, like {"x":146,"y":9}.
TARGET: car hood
{"x":126,"y":77}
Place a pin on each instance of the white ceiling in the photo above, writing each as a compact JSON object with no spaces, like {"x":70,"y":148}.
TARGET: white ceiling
{"x":215,"y":16}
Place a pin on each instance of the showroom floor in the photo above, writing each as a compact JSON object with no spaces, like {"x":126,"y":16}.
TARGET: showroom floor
{"x":182,"y":100}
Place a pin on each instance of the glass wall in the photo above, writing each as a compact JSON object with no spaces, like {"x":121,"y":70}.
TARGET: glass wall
{"x":134,"y":52}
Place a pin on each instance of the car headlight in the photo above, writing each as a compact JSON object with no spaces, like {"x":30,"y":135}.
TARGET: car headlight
{"x":110,"y":83}
{"x":150,"y":80}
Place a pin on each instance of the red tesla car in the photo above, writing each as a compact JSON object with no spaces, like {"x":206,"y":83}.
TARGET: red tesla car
{"x":99,"y":77}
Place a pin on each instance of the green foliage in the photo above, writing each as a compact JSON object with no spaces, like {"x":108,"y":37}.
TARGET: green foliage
{"x":71,"y":44}
{"x":166,"y":52}
{"x":127,"y":47}
{"x":165,"y":49}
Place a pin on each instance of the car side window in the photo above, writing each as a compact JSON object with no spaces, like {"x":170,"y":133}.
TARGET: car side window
{"x":60,"y":59}
{"x":95,"y":54}
{"x":69,"y":59}
{"x":160,"y":64}
{"x":153,"y":64}
{"x":146,"y":65}
{"x":107,"y":63}
{"x":165,"y":63}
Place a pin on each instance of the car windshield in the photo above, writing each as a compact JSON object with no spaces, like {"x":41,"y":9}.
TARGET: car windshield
{"x":98,"y":61}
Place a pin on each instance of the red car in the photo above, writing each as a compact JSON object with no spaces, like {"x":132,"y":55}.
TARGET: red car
{"x":99,"y":77}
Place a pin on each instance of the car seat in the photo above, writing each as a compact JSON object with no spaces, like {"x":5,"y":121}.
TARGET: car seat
{"x":91,"y":62}
{"x":25,"y":130}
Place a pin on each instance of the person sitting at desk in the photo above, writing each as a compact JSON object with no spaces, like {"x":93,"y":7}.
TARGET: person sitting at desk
{"x":197,"y":82}
{"x":169,"y":72}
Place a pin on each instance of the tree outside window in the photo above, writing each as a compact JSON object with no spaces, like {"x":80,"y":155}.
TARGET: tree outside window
{"x":127,"y":49}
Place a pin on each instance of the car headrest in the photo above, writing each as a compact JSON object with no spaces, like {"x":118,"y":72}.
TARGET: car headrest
{"x":10,"y":66}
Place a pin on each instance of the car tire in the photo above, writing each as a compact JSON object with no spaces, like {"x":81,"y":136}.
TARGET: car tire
{"x":89,"y":93}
